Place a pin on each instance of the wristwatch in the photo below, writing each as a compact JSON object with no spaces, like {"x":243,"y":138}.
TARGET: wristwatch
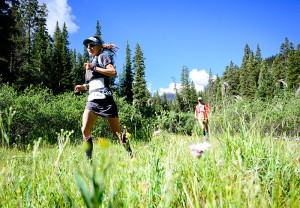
{"x":85,"y":86}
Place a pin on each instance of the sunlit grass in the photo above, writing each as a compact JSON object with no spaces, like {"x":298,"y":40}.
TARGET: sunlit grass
{"x":234,"y":172}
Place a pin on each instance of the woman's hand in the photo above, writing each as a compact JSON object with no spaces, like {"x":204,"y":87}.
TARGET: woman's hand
{"x":88,"y":66}
{"x":79,"y":88}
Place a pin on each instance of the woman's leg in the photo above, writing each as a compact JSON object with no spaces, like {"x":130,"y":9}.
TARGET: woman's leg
{"x":115,"y":127}
{"x":206,"y":127}
{"x":200,"y":121}
{"x":205,"y":130}
{"x":88,"y":121}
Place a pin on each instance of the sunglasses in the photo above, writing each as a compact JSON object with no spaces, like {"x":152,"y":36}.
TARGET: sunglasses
{"x":91,"y":45}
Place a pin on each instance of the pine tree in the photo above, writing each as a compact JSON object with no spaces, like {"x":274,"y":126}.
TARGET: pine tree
{"x":193,"y":96}
{"x":269,"y":60}
{"x":234,"y":89}
{"x":157,"y":104}
{"x":185,"y":90}
{"x":209,"y":90}
{"x":6,"y":31}
{"x":80,"y":62}
{"x":66,"y":82}
{"x":112,"y":80}
{"x":293,"y":69}
{"x":140,"y":92}
{"x":126,"y":79}
{"x":286,"y":48}
{"x":280,"y":65}
{"x":57,"y":61}
{"x":48,"y":58}
{"x":16,"y":40}
{"x":28,"y":17}
{"x":77,"y":72}
{"x":247,"y":79}
{"x":256,"y":64}
{"x":177,"y":104}
{"x":98,"y":31}
{"x":73,"y":61}
{"x":230,"y":79}
{"x":258,"y":57}
{"x":265,"y":83}
{"x":226,"y":80}
{"x":165,"y":102}
{"x":86,"y":56}
{"x":246,"y":56}
{"x":41,"y":39}
{"x":217,"y":90}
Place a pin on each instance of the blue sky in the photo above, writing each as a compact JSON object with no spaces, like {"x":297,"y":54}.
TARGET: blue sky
{"x":200,"y":34}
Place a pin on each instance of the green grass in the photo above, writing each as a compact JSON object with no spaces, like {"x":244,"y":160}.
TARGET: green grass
{"x":237,"y":171}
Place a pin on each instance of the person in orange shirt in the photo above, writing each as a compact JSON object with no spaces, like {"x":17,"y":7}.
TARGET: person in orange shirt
{"x":201,"y":111}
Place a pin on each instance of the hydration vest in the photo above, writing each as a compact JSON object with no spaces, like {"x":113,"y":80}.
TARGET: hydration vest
{"x":98,"y":82}
{"x":94,"y":75}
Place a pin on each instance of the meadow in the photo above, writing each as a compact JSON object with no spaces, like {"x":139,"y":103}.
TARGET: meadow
{"x":253,"y":161}
{"x":254,"y":171}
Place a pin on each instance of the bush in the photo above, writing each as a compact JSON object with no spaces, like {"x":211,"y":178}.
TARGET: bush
{"x":39,"y":113}
{"x":139,"y":125}
{"x":182,"y":123}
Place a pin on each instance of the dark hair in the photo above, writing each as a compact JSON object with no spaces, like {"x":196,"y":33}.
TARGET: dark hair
{"x":110,"y":47}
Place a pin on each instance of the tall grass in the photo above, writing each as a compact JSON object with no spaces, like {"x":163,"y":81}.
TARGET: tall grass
{"x":5,"y":127}
{"x":278,"y":117}
{"x":248,"y":171}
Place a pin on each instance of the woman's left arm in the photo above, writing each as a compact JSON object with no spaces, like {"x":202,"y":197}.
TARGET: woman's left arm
{"x":108,"y":71}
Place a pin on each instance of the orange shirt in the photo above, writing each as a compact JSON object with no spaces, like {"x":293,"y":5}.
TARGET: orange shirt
{"x":201,"y":110}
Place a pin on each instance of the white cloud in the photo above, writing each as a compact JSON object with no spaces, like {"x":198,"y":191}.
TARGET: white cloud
{"x":59,"y":11}
{"x":170,"y":89}
{"x":199,"y":88}
{"x":149,"y":86}
{"x":200,"y":79}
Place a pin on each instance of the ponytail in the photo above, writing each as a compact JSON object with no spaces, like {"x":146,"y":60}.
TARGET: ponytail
{"x":110,"y":47}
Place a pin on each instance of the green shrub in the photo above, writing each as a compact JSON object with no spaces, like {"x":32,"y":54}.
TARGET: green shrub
{"x":137,"y":124}
{"x":39,"y":113}
{"x":182,"y":123}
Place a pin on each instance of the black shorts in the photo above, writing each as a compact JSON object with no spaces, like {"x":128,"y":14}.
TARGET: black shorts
{"x":103,"y":107}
